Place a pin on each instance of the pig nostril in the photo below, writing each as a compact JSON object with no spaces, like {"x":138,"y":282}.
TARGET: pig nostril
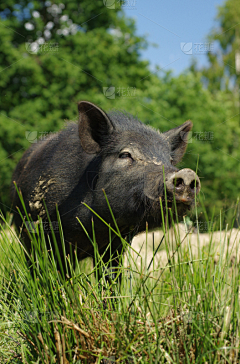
{"x":178,"y":182}
{"x":193,"y":185}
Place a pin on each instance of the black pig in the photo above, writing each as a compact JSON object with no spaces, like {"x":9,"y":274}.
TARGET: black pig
{"x":114,"y":152}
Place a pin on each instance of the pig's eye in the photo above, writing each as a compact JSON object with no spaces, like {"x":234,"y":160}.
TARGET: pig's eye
{"x":125,"y":155}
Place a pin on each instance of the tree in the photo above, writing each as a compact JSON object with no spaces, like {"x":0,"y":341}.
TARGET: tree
{"x":48,"y":62}
{"x":222,"y":72}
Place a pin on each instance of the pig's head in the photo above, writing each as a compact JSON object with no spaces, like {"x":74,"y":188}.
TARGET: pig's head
{"x":133,"y":159}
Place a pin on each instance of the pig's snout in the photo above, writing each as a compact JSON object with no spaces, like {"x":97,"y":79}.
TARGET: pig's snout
{"x":184,"y":184}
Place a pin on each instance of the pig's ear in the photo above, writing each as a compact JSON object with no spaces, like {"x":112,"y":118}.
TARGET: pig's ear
{"x":93,"y":127}
{"x":178,"y":139}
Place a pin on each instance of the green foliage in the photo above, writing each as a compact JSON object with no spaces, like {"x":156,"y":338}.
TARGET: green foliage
{"x":40,"y":89}
{"x":222,"y":72}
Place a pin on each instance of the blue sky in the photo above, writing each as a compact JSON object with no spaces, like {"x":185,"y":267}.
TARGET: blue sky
{"x":170,"y":24}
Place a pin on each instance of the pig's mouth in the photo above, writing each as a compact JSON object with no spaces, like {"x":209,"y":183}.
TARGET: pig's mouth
{"x":180,"y":203}
{"x":183,"y":201}
{"x":184,"y":194}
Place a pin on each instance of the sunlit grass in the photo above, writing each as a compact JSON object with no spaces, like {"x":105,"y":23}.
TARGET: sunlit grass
{"x":183,"y":310}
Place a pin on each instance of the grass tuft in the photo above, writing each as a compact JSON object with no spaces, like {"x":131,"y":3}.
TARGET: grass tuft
{"x":185,"y":310}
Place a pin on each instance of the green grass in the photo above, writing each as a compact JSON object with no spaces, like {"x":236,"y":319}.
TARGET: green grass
{"x":186,"y":311}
